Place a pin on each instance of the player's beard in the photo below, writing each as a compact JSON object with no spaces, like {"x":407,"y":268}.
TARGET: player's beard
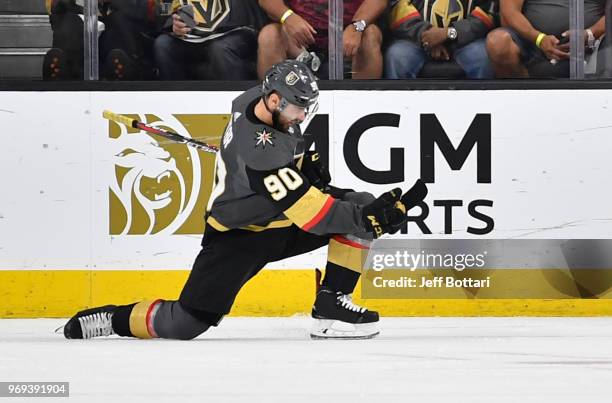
{"x":277,"y":121}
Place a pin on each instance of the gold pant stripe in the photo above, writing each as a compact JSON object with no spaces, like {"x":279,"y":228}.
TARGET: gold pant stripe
{"x":212,"y":221}
{"x":273,"y":224}
{"x":345,"y":255}
{"x":307,"y":207}
{"x":255,"y":228}
{"x":140,"y":318}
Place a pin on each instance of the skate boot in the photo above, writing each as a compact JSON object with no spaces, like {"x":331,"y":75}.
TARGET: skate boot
{"x":90,"y":323}
{"x":337,"y":317}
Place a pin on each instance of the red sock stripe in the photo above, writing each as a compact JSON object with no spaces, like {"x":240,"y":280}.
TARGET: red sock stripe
{"x":148,"y":318}
{"x":346,"y":241}
{"x":317,"y":218}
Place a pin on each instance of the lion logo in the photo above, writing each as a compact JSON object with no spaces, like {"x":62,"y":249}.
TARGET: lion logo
{"x":161,"y":187}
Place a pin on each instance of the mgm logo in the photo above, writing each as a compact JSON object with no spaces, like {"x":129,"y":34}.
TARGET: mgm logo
{"x":160,"y":187}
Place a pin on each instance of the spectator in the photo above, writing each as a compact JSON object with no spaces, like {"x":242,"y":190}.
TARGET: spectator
{"x":531,"y":33}
{"x":304,"y":25}
{"x":210,"y":40}
{"x":65,"y":59}
{"x":452,"y":30}
{"x":125,"y":45}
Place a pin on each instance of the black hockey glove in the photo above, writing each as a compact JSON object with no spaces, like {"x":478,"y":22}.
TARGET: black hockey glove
{"x":336,"y":193}
{"x":387,"y":214}
{"x":315,"y":171}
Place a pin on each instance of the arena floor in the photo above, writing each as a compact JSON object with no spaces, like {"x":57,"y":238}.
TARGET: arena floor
{"x":274,"y":360}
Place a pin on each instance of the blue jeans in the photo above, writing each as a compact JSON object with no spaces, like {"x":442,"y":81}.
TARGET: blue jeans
{"x":404,"y":59}
{"x":229,"y":57}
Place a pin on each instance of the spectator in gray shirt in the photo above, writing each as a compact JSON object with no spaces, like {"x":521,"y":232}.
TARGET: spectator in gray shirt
{"x":534,"y":31}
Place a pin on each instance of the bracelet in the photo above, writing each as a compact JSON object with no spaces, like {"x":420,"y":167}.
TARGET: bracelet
{"x":286,"y":15}
{"x":539,"y":39}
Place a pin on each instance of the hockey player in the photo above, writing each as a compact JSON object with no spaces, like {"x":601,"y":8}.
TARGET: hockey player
{"x":264,"y":208}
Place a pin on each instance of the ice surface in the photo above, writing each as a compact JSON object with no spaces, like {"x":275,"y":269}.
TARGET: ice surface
{"x":273,"y":360}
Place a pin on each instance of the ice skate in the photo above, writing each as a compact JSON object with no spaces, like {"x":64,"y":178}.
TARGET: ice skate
{"x":90,"y":323}
{"x":337,"y":317}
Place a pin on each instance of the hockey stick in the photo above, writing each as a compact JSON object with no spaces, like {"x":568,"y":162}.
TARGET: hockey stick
{"x":115,"y":117}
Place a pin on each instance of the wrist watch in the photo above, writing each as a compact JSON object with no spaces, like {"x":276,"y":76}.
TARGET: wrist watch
{"x":590,"y":39}
{"x":451,"y":34}
{"x":360,"y":25}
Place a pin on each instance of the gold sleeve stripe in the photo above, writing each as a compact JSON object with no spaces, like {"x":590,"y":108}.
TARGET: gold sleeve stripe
{"x":309,"y":209}
{"x":402,"y":12}
{"x":141,"y":323}
{"x":322,"y":213}
{"x":48,"y":4}
{"x":484,"y":17}
{"x":345,"y":255}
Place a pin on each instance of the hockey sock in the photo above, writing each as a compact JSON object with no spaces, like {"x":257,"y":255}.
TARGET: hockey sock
{"x":338,"y":278}
{"x":136,"y":320}
{"x":121,"y":320}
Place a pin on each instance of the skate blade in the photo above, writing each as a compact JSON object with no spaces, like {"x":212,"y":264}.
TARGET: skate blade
{"x":335,"y":329}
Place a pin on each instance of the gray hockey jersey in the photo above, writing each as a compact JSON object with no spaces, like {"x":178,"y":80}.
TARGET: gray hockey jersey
{"x":258,"y":183}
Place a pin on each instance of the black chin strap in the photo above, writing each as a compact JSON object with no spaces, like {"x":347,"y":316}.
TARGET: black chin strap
{"x":265,"y":99}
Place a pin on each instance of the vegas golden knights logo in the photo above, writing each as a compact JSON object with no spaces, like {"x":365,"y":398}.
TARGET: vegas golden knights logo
{"x":209,"y":13}
{"x":446,"y":12}
{"x":157,"y":186}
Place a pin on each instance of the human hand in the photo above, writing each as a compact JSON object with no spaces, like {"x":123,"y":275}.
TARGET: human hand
{"x":439,"y":53}
{"x":351,"y":40}
{"x":300,"y":31}
{"x":433,"y":37}
{"x":566,"y":46}
{"x":549,"y":47}
{"x":179,"y":27}
{"x":385,"y":215}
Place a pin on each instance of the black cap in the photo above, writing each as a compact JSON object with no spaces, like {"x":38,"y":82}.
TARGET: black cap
{"x":294,"y":81}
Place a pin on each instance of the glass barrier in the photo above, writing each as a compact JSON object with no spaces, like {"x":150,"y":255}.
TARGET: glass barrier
{"x":31,"y":34}
{"x":343,"y":39}
{"x":597,"y":31}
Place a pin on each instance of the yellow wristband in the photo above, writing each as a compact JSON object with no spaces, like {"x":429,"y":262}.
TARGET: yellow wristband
{"x":286,"y":15}
{"x":539,"y":39}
